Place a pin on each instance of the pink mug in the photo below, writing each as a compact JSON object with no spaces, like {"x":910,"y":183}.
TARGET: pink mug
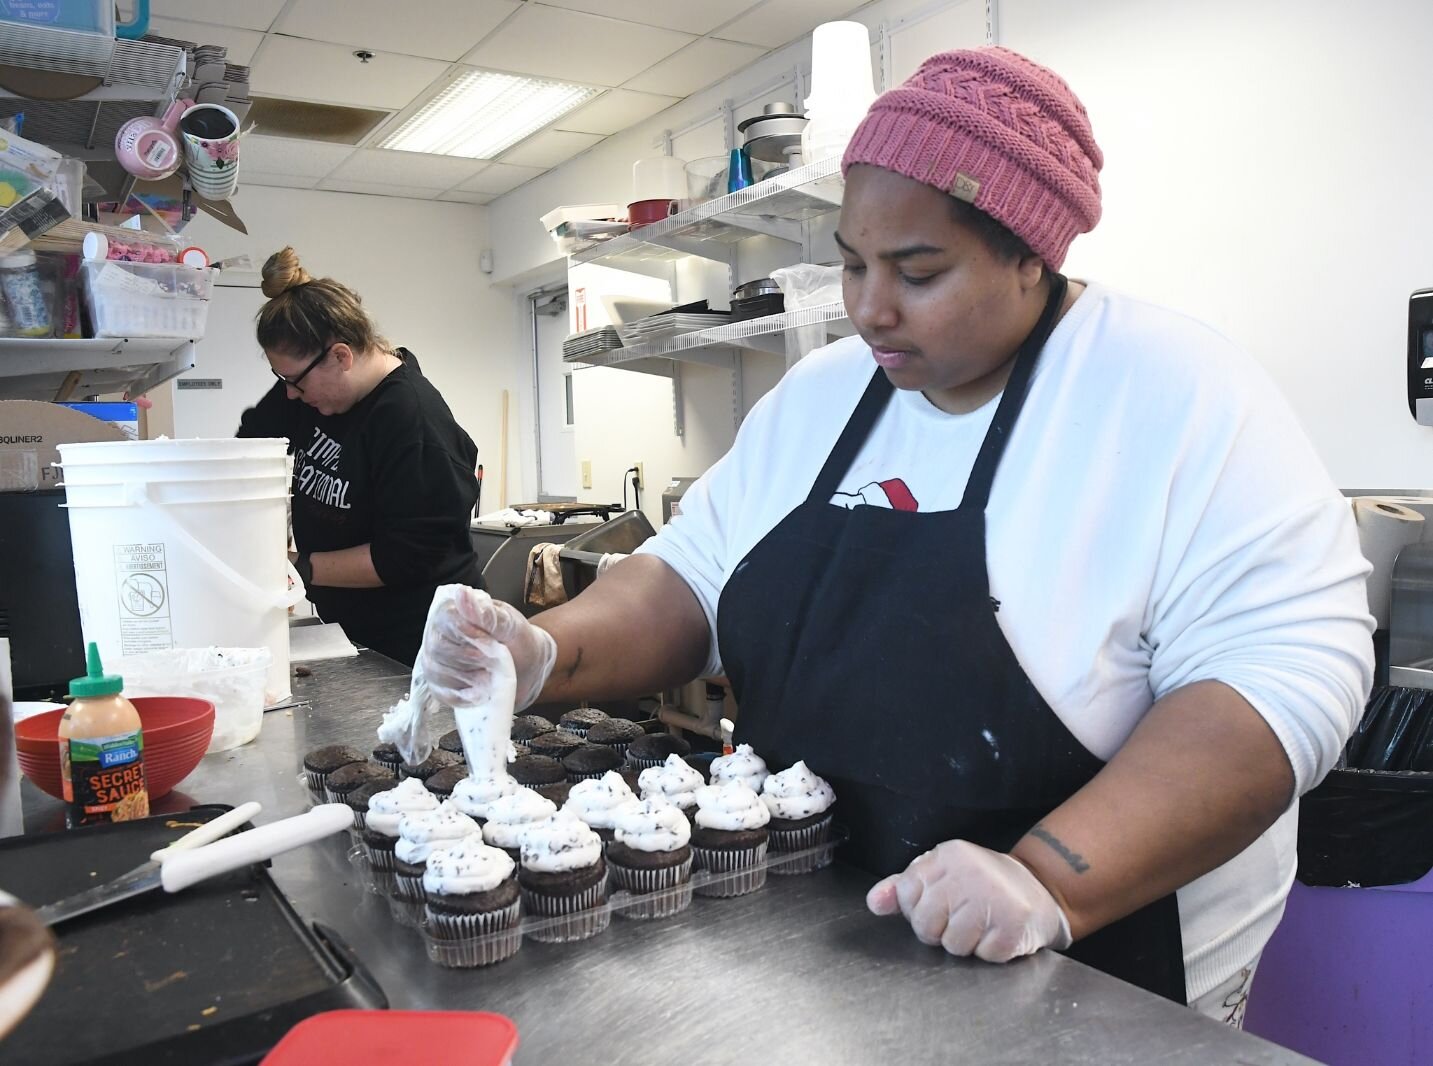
{"x":147,"y":146}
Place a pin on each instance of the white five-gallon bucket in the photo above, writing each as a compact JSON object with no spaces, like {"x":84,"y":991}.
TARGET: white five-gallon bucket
{"x":182,"y":544}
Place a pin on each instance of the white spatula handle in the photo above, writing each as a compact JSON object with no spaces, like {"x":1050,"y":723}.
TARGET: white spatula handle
{"x":210,"y":831}
{"x":184,"y":868}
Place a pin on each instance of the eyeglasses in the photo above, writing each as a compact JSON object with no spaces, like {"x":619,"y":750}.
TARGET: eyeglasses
{"x":293,"y":382}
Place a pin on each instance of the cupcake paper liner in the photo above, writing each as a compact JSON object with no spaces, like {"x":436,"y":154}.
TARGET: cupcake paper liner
{"x":315,"y":783}
{"x":468,"y":940}
{"x":561,"y":919}
{"x":735,"y":871}
{"x":658,"y":893}
{"x":409,"y":888}
{"x":620,"y":749}
{"x":575,"y":777}
{"x":577,"y":730}
{"x":808,"y":842}
{"x":636,"y":762}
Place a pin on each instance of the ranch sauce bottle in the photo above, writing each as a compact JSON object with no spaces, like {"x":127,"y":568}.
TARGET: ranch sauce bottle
{"x":101,"y":750}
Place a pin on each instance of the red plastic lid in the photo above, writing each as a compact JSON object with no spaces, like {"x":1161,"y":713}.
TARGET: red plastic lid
{"x":346,"y":1037}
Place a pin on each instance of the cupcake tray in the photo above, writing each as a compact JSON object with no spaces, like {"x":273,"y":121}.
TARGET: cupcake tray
{"x":215,"y":974}
{"x":582,"y":924}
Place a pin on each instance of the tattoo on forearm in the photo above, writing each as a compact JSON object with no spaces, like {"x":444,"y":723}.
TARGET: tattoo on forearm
{"x":1077,"y":861}
{"x":576,"y":663}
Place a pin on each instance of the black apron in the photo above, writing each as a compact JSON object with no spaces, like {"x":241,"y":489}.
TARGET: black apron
{"x":864,"y":641}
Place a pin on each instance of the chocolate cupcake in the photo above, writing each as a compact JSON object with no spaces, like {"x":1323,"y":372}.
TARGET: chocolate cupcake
{"x":597,"y":801}
{"x":472,"y":913}
{"x":451,"y":742}
{"x":386,"y":756}
{"x":380,"y":830}
{"x":321,"y":762}
{"x":359,"y":799}
{"x":556,"y":744}
{"x":558,"y":792}
{"x":509,"y":815}
{"x":800,"y":804}
{"x":533,"y":770}
{"x":614,"y":733}
{"x":730,"y":839}
{"x":527,"y":726}
{"x":438,"y":760}
{"x":590,"y":761}
{"x":563,"y":880}
{"x":652,"y":749}
{"x":742,"y":765}
{"x":347,"y":779}
{"x":651,"y":858}
{"x":419,"y":835}
{"x":676,"y":781}
{"x":580,"y":719}
{"x":474,"y":795}
{"x":445,"y":780}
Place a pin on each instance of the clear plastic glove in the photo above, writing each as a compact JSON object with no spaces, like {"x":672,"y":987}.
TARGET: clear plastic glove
{"x":456,"y":657}
{"x":973,"y":901}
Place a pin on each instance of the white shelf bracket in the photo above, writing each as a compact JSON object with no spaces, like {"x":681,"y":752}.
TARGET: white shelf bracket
{"x":679,"y":412}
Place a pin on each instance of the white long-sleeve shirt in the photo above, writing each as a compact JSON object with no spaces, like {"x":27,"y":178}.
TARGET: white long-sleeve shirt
{"x":1159,"y":518}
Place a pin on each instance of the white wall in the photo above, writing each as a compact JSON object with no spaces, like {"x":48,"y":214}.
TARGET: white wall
{"x":1265,"y":172}
{"x":415,"y":263}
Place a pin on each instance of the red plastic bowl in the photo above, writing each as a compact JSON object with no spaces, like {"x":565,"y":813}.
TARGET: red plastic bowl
{"x":645,"y":212}
{"x":176,"y":734}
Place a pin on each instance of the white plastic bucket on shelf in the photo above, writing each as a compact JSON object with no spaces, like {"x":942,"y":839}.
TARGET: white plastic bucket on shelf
{"x":182,"y":544}
{"x":232,"y":679}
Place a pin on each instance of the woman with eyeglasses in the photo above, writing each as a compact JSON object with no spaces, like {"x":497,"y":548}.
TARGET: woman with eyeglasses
{"x":384,"y":477}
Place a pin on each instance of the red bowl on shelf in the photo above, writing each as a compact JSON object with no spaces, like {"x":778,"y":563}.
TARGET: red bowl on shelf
{"x":176,"y":735}
{"x":645,"y":212}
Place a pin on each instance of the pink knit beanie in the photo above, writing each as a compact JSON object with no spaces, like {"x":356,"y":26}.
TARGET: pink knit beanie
{"x":989,"y":127}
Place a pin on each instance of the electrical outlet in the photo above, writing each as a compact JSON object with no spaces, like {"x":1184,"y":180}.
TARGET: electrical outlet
{"x":641,"y":476}
{"x":587,"y":473}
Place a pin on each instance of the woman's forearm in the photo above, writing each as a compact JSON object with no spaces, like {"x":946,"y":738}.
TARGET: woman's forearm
{"x":1200,"y":778}
{"x":637,"y":630}
{"x":347,"y":568}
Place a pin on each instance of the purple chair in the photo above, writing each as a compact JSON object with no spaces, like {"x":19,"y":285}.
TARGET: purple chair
{"x":1347,"y":977}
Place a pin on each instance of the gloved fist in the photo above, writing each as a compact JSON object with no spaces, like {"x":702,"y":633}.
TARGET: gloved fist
{"x":973,"y":901}
{"x":456,"y":657}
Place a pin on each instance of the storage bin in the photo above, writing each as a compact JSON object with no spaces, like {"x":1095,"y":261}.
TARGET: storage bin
{"x":232,"y":679}
{"x":147,"y":299}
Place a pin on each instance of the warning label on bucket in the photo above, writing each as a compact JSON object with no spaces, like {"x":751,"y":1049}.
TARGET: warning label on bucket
{"x":143,"y":595}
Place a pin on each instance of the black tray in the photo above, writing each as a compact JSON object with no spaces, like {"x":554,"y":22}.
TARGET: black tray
{"x":134,"y":981}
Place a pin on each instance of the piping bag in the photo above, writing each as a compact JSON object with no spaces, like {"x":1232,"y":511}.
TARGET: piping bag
{"x":483,"y":727}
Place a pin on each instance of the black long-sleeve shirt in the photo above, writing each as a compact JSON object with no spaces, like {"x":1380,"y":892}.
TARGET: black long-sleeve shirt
{"x":395,"y":472}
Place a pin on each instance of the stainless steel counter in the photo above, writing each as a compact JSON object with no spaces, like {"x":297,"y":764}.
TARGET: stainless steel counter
{"x":798,"y":972}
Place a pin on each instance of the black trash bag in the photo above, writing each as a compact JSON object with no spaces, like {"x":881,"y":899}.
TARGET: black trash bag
{"x":1371,"y":823}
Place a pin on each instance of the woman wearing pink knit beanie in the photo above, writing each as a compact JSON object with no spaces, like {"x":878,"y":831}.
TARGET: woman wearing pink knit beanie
{"x":1043,"y":581}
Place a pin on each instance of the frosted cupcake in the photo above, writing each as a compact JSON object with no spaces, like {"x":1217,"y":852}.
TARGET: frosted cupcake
{"x":472,"y":913}
{"x":509,"y":815}
{"x":473,"y":797}
{"x":380,"y":826}
{"x":800,"y":805}
{"x":730,"y":839}
{"x":742,"y":765}
{"x":599,"y":801}
{"x":651,"y":858}
{"x":676,"y":780}
{"x":563,"y":880}
{"x":419,"y":835}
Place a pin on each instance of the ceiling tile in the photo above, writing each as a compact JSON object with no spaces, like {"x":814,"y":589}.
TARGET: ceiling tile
{"x":445,"y":29}
{"x":690,"y":16}
{"x":779,"y":22}
{"x":262,"y":177}
{"x":457,"y":196}
{"x":498,"y":178}
{"x":285,"y":155}
{"x":572,"y":46}
{"x":695,"y":67}
{"x":250,"y":15}
{"x":374,"y":188}
{"x":310,"y":70}
{"x":614,"y":111}
{"x":410,"y":169}
{"x":547,"y":148}
{"x":240,"y":43}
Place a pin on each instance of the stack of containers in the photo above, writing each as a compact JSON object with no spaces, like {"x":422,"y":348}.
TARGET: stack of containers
{"x":842,"y":88}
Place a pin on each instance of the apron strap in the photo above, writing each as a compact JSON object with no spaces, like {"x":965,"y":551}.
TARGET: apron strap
{"x":982,"y":474}
{"x":873,"y":401}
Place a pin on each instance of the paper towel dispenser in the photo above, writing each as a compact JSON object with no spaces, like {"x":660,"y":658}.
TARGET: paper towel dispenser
{"x":1420,"y":356}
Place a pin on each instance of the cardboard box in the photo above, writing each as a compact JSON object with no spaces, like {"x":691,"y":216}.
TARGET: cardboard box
{"x":122,"y":414}
{"x":30,"y":432}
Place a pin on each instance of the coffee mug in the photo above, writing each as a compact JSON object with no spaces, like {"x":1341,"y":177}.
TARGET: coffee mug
{"x":147,"y":146}
{"x":211,"y":149}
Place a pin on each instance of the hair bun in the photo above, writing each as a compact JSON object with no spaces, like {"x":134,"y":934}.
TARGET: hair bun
{"x":283,"y":272}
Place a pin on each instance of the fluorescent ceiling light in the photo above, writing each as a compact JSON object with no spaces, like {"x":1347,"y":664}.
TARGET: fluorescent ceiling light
{"x":481,"y":113}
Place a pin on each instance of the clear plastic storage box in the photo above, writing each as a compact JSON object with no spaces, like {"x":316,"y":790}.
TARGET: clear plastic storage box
{"x":147,"y":299}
